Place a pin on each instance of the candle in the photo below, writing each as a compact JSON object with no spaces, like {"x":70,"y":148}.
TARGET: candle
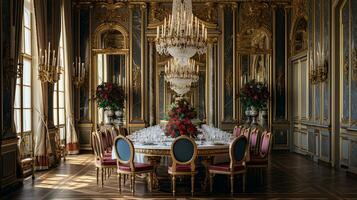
{"x":157,"y":32}
{"x":44,"y":63}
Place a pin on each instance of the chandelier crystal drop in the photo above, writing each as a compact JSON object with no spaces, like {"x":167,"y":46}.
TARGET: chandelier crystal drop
{"x":180,"y":76}
{"x":182,"y":35}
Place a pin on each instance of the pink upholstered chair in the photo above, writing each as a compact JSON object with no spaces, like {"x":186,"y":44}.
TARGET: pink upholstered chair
{"x":238,"y":151}
{"x":103,"y":162}
{"x":253,"y":141}
{"x":237,"y":131}
{"x":246,"y":133}
{"x":124,"y":151}
{"x":261,"y":159}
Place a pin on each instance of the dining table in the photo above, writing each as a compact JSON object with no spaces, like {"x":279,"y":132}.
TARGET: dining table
{"x":153,"y":149}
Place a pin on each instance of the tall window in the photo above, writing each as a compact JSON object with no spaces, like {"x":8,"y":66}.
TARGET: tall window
{"x":58,"y":95}
{"x":23,"y":98}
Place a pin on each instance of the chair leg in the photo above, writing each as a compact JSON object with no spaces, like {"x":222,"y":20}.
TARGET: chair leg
{"x":192,"y":183}
{"x":105,"y":174}
{"x":244,"y":182}
{"x":119,"y":182}
{"x":133,"y":181}
{"x":125,"y":177}
{"x":97,"y":169}
{"x":232,"y":184}
{"x":211,"y":182}
{"x":151,"y":180}
{"x":173,"y":185}
{"x":102,"y":177}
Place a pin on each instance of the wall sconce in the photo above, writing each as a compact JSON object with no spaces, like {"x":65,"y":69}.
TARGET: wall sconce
{"x":48,"y":70}
{"x":320,"y":73}
{"x":354,"y":64}
{"x":79,"y":72}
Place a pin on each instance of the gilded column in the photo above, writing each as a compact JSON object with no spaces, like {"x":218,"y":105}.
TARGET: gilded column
{"x":211,"y":69}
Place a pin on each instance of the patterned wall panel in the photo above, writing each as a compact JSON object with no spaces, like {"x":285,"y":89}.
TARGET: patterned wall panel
{"x":325,"y":145}
{"x":279,"y":79}
{"x":353,"y":156}
{"x":281,"y":138}
{"x":162,"y":96}
{"x":326,"y":38}
{"x":310,"y":26}
{"x":345,"y":151}
{"x":136,"y":93}
{"x":318,"y":47}
{"x":84,"y":53}
{"x":311,"y":141}
{"x":354,"y":62}
{"x":345,"y":56}
{"x":202,"y":96}
{"x":228,"y":99}
{"x":8,"y":163}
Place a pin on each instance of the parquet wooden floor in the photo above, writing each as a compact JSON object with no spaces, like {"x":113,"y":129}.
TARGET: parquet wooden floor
{"x":290,"y":176}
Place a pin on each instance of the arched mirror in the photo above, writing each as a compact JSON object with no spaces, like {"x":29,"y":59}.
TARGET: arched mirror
{"x":254,"y":53}
{"x":110,"y":63}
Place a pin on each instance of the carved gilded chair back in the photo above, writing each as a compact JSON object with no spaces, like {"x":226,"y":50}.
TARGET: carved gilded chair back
{"x":238,"y":150}
{"x":265,"y":144}
{"x":183,"y":152}
{"x":124,"y":152}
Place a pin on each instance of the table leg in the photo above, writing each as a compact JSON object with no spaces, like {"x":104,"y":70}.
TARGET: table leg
{"x":155,"y":161}
{"x":206,"y":161}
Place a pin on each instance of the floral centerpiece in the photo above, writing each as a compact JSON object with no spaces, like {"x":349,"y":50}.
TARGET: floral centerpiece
{"x":254,"y":94}
{"x":110,"y":96}
{"x":180,"y":116}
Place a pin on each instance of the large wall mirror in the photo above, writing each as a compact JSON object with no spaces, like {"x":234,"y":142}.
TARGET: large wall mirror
{"x":110,"y":60}
{"x":165,"y":96}
{"x":255,"y":57}
{"x":254,"y":53}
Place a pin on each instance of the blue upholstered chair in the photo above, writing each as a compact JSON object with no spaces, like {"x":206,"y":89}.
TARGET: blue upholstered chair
{"x":183,"y":154}
{"x":103,"y":162}
{"x":124,"y":151}
{"x":238,"y":150}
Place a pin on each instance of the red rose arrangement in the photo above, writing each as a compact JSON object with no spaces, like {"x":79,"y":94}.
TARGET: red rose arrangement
{"x":180,"y":116}
{"x":110,"y":96}
{"x":254,"y":94}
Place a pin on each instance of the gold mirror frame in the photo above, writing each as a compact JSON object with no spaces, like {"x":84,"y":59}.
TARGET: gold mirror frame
{"x":97,"y":49}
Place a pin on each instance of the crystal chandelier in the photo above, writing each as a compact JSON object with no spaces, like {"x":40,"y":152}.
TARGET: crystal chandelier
{"x":182,"y":35}
{"x":180,"y":76}
{"x":48,"y":68}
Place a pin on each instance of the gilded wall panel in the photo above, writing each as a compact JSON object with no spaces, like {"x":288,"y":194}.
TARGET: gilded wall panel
{"x":136,"y":65}
{"x":326,"y":38}
{"x":280,"y":64}
{"x":310,"y":26}
{"x":228,"y":98}
{"x":354,"y":63}
{"x":84,"y":53}
{"x":346,"y":64}
{"x":202,"y":96}
{"x":318,"y":47}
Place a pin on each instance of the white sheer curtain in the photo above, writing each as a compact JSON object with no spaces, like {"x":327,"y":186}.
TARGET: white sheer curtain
{"x":71,"y":138}
{"x":39,"y":123}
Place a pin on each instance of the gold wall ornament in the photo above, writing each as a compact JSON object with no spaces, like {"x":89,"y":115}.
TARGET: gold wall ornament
{"x":319,"y":74}
{"x":354,"y":64}
{"x":254,"y":15}
{"x":299,"y":36}
{"x":48,"y":68}
{"x":111,"y":13}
